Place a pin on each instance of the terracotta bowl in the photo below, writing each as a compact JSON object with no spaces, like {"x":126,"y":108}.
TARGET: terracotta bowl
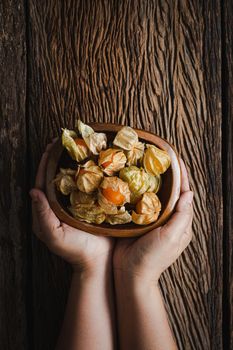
{"x":168,"y":193}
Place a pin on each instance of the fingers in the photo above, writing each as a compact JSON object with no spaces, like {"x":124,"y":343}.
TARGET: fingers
{"x":185,"y":239}
{"x":45,"y":223}
{"x":178,"y":228}
{"x":184,"y":177}
{"x":182,"y":218}
{"x":184,"y":204}
{"x":44,"y":216}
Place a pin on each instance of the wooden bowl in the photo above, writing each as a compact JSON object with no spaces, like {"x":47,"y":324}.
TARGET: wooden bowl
{"x":168,"y":193}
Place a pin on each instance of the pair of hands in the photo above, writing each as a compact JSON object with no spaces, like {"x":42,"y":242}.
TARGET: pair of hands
{"x":145,"y":257}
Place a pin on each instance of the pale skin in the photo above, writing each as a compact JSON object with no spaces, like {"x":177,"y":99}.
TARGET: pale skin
{"x":135,"y":265}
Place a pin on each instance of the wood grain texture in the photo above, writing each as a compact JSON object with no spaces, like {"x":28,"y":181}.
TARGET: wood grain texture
{"x":227,"y":149}
{"x":13,"y":208}
{"x":154,"y":65}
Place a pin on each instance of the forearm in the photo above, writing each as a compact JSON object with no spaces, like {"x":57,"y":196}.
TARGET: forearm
{"x":89,"y":317}
{"x":142,"y":319}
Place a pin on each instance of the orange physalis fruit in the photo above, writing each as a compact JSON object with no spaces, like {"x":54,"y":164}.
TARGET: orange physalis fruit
{"x":112,"y":196}
{"x":82,"y":171}
{"x":80,"y":142}
{"x":105,"y":164}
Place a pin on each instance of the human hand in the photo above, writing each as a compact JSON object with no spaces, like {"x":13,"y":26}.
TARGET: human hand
{"x":84,"y":251}
{"x":148,"y":256}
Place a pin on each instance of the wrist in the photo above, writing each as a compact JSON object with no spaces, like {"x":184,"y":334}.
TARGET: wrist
{"x":98,"y":281}
{"x":86,"y":272}
{"x":134,"y":282}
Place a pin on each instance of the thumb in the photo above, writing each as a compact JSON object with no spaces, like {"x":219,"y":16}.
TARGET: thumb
{"x":39,"y":201}
{"x":184,"y":203}
{"x":46,"y":218}
{"x":182,"y":217}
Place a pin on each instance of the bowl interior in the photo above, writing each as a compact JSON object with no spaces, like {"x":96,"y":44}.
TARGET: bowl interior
{"x":168,"y":193}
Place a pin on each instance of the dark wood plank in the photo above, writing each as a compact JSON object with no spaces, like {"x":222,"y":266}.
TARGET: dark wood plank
{"x":227,"y":105}
{"x":154,"y":65}
{"x":13,"y":196}
{"x":212,"y":147}
{"x":196,"y":130}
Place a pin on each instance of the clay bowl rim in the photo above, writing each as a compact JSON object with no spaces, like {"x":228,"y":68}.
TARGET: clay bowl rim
{"x":127,"y":230}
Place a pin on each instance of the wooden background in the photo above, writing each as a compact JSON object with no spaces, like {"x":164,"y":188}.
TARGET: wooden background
{"x":164,"y":66}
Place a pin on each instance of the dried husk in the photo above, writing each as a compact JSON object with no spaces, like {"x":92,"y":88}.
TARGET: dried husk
{"x":90,"y":198}
{"x":147,"y":209}
{"x":139,"y":182}
{"x":95,"y":141}
{"x":126,"y":138}
{"x":135,"y":154}
{"x":114,"y":158}
{"x":78,"y":197}
{"x":149,"y":203}
{"x":155,"y":160}
{"x":122,"y":217}
{"x":65,"y":181}
{"x":116,"y":185}
{"x":90,"y":213}
{"x":108,"y":207}
{"x":154,"y":182}
{"x":77,"y":152}
{"x":144,"y":219}
{"x":89,"y":177}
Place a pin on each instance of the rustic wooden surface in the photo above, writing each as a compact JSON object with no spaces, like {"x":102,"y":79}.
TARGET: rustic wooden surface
{"x":13,"y":186}
{"x":150,"y":67}
{"x":158,"y":65}
{"x":227,"y":108}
